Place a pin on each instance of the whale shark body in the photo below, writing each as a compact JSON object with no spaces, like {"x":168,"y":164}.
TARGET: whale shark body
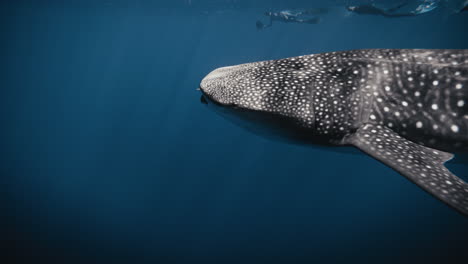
{"x":407,"y":108}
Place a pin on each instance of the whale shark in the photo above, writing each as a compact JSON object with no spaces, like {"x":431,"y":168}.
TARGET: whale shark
{"x":407,"y":108}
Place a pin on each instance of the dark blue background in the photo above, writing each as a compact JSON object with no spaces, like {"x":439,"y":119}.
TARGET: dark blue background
{"x":108,"y":156}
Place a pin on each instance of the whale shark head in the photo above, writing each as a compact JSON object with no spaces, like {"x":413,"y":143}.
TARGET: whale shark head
{"x":256,"y":96}
{"x":278,"y":87}
{"x":307,"y":93}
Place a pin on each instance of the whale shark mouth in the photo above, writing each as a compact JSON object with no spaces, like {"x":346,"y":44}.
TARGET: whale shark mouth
{"x":207,"y":99}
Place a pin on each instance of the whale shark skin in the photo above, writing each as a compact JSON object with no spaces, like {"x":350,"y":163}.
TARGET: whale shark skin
{"x":407,"y":108}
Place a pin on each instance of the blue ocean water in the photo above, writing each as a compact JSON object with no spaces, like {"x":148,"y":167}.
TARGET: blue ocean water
{"x":108,"y":156}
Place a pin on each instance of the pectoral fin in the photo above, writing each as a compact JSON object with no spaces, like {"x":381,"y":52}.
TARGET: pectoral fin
{"x":422,"y":165}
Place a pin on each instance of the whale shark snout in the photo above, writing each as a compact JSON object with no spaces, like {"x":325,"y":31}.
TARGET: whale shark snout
{"x":232,"y":85}
{"x":214,"y":84}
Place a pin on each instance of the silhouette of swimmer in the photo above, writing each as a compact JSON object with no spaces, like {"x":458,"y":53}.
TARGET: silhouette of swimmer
{"x":426,"y":6}
{"x":465,"y":8}
{"x":370,"y":9}
{"x":288,"y":16}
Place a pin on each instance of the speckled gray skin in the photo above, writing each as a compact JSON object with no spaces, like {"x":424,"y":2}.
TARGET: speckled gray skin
{"x":406,"y":108}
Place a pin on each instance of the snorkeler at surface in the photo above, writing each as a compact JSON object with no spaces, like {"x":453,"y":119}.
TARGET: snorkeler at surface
{"x":426,"y":6}
{"x":289,"y":16}
{"x":465,"y":7}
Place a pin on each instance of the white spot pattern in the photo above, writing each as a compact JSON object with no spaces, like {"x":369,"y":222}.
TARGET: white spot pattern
{"x":422,"y":165}
{"x":419,"y":94}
